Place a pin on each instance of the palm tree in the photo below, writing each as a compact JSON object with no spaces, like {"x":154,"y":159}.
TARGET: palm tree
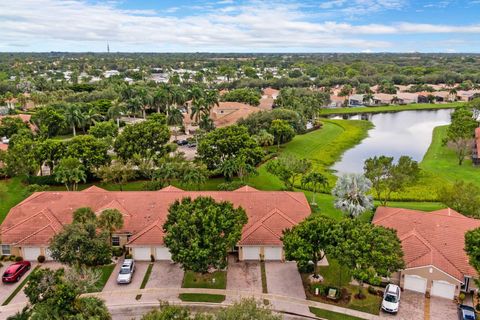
{"x":116,"y":111}
{"x":175,"y":118}
{"x":110,"y":220}
{"x":211,"y":100}
{"x":73,"y":117}
{"x":453,"y":93}
{"x":195,"y":94}
{"x":315,"y":180}
{"x":198,"y":109}
{"x":194,"y":175}
{"x":134,"y":105}
{"x":367,"y":98}
{"x":351,"y":194}
{"x":91,"y":117}
{"x":160,"y":99}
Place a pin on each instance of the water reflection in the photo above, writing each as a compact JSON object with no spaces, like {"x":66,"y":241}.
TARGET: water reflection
{"x":395,"y":134}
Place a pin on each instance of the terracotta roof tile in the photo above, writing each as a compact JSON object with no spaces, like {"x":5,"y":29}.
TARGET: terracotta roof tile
{"x":431,"y":238}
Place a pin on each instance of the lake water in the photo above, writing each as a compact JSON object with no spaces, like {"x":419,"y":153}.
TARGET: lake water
{"x":395,"y":134}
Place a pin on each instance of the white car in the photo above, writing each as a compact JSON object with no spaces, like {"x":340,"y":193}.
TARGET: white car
{"x":391,"y":299}
{"x":126,"y":271}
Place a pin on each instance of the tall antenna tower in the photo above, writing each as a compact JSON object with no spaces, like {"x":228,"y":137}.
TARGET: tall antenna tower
{"x":108,"y":47}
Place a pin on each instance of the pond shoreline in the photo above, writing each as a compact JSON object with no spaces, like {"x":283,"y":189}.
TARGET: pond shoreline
{"x":389,"y":109}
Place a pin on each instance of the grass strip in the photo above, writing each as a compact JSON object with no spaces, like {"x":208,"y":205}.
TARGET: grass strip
{"x":202,"y":297}
{"x":263,"y":274}
{"x":145,"y":280}
{"x":331,"y":315}
{"x":19,"y":287}
{"x":106,"y":272}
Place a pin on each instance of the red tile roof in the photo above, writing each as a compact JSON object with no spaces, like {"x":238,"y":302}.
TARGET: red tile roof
{"x":35,"y":220}
{"x":431,"y":238}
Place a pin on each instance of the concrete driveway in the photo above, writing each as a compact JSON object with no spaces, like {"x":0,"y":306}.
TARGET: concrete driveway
{"x":283,"y":278}
{"x":412,"y":306}
{"x":245,"y":276}
{"x":140,"y":269}
{"x":442,"y":309}
{"x":6,"y":289}
{"x":165,"y":275}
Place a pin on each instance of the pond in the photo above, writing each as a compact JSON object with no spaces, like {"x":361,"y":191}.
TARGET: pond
{"x":395,"y":134}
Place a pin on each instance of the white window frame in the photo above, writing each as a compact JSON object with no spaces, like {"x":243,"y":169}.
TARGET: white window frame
{"x":116,"y":237}
{"x":9,"y":250}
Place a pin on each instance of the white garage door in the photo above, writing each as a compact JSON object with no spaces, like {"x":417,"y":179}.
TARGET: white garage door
{"x":415,"y":283}
{"x":141,"y":253}
{"x":31,"y":253}
{"x":443,"y":289}
{"x":251,"y":253}
{"x":162,"y":253}
{"x":273,"y":253}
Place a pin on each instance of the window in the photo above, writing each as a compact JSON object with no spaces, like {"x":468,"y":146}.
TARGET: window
{"x":115,"y":241}
{"x":6,"y":250}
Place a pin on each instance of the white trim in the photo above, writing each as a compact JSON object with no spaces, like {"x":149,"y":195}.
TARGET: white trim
{"x":432,"y":266}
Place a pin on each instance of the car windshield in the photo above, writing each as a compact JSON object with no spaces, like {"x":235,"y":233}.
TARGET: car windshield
{"x":391,"y":298}
{"x":124,"y":270}
{"x":468,"y":315}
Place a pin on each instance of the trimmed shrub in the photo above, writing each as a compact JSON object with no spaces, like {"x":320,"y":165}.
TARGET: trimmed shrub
{"x":12,"y":258}
{"x":117,"y":251}
{"x":153,"y":185}
{"x":128,"y":256}
{"x":41,"y":259}
{"x":372,"y":290}
{"x":152,"y":258}
{"x":18,"y":259}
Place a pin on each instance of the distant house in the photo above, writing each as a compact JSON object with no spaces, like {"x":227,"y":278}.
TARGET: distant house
{"x":433,"y":246}
{"x":30,"y":225}
{"x":336,"y":101}
{"x":356,"y":100}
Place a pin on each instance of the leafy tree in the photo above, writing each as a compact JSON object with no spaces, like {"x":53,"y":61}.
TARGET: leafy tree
{"x":20,"y":158}
{"x":264,"y":138}
{"x":49,"y":152}
{"x":92,"y":152}
{"x":104,"y":130}
{"x":226,"y":143}
{"x":282,"y":131}
{"x":369,"y":251}
{"x":49,"y":121}
{"x":116,"y":111}
{"x":144,"y":139}
{"x":246,"y":309}
{"x":288,"y":168}
{"x":460,"y":132}
{"x":117,"y":172}
{"x":73,"y":117}
{"x":244,"y":95}
{"x":388,"y":177}
{"x":70,"y":172}
{"x":194,"y":175}
{"x":169,"y":312}
{"x":81,"y":244}
{"x":11,"y":125}
{"x":259,"y":121}
{"x":110,"y":220}
{"x":462,"y":197}
{"x":309,"y":241}
{"x":472,"y":248}
{"x":351,"y":194}
{"x":200,"y":232}
{"x":314,"y":180}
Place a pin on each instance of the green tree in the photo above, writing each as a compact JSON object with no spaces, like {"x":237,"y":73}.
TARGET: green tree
{"x":110,"y":220}
{"x":11,"y":125}
{"x":81,"y":244}
{"x":472,"y":248}
{"x":103,"y":130}
{"x":20,"y":158}
{"x":282,"y":132}
{"x":200,"y":232}
{"x":49,"y":121}
{"x":117,"y":172}
{"x":92,"y":152}
{"x":246,"y":309}
{"x":288,"y":168}
{"x":351,"y":194}
{"x":314,"y":181}
{"x":70,"y":172}
{"x":84,"y":215}
{"x":462,"y":197}
{"x":73,"y":117}
{"x":116,"y":111}
{"x":310,"y":241}
{"x":226,"y":143}
{"x":244,"y":95}
{"x":264,"y":138}
{"x":460,"y":132}
{"x":143,"y":139}
{"x":49,"y":152}
{"x":388,"y":177}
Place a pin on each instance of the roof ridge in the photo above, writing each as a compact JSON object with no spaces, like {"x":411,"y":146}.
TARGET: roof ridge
{"x":258,"y":227}
{"x":289,"y":194}
{"x":114,"y":200}
{"x":390,"y":214}
{"x":144,"y":230}
{"x":276,"y":210}
{"x":34,"y":233}
{"x":26,"y":219}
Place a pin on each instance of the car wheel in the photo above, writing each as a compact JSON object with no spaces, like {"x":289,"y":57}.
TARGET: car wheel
{"x":28,"y":267}
{"x":18,"y":278}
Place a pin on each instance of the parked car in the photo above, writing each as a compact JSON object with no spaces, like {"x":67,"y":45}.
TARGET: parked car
{"x":466,"y":313}
{"x":181,"y":142}
{"x":15,"y":271}
{"x":391,"y":298}
{"x":126,"y":271}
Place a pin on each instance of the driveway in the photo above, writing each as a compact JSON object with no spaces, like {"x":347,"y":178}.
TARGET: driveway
{"x":442,"y":309}
{"x":244,"y":276}
{"x":412,"y":306}
{"x":283,"y":278}
{"x":6,"y":289}
{"x":140,"y":269}
{"x":165,"y":274}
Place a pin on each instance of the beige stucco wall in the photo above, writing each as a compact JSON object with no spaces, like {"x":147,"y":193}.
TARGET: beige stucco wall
{"x":431,"y":274}
{"x":262,"y":252}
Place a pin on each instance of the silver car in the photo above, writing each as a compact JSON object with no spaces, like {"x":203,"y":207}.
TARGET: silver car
{"x":126,"y":271}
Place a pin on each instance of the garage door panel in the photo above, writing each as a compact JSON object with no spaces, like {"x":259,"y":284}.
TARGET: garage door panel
{"x":251,"y":253}
{"x":31,"y":253}
{"x":443,"y":289}
{"x":162,"y":253}
{"x":415,"y":283}
{"x":141,"y":253}
{"x":273,"y":253}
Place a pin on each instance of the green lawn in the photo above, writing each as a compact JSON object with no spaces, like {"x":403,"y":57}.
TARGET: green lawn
{"x":202,"y":297}
{"x":12,"y":192}
{"x":106,"y":271}
{"x":330,"y":315}
{"x":415,"y":106}
{"x":205,"y":280}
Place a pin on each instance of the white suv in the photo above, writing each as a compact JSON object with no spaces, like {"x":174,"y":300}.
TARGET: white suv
{"x":391,"y":298}
{"x":126,"y":271}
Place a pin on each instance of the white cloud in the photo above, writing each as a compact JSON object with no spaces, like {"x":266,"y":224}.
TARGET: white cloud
{"x":256,"y":25}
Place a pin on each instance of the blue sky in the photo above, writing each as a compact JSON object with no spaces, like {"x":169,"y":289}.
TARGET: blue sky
{"x":241,"y":26}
